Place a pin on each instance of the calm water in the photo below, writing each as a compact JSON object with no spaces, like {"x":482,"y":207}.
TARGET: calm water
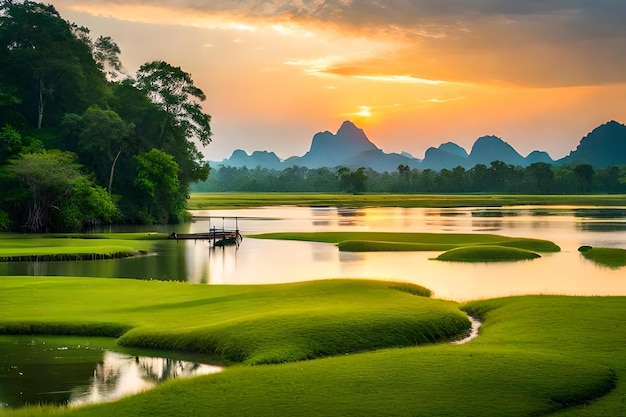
{"x":263,"y":261}
{"x":49,"y":370}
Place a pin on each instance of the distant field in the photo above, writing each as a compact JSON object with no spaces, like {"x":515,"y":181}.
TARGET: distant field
{"x":206,"y":201}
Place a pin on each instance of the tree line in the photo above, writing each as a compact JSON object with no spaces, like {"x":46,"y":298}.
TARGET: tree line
{"x":81,"y":141}
{"x":498,"y":177}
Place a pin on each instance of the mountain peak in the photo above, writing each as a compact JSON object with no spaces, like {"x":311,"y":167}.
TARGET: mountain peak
{"x":330,"y":149}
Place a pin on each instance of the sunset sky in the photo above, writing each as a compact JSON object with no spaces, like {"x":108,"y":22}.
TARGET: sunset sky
{"x":540,"y":74}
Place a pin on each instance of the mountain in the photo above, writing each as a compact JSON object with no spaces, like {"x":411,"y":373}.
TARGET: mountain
{"x":605,"y":145}
{"x":445,"y":156}
{"x":487,"y":149}
{"x":454,"y":149}
{"x":240,"y":158}
{"x":539,"y":156}
{"x":330,"y":150}
{"x":350,"y":147}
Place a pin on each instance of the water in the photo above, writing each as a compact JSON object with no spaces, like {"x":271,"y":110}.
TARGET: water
{"x":74,"y":372}
{"x":259,"y":261}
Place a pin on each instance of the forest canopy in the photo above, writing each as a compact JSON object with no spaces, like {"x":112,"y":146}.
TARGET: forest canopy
{"x":81,"y":143}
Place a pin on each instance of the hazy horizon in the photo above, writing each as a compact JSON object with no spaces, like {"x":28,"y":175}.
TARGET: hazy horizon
{"x":411,"y":74}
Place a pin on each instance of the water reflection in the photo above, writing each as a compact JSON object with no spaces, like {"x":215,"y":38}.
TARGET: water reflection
{"x":266,"y":261}
{"x":119,"y":375}
{"x":48,"y":370}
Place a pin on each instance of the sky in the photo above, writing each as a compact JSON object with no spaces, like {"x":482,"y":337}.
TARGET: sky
{"x":539,"y":74}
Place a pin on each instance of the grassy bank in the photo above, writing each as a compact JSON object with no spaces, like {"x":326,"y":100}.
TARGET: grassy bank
{"x":203,"y":201}
{"x":383,"y":241}
{"x":535,"y":355}
{"x":250,"y":324}
{"x":611,"y":257}
{"x":74,"y":247}
{"x":487,"y":253}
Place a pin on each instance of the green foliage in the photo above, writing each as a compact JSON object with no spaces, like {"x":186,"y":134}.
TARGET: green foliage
{"x":157,"y":181}
{"x":55,"y":94}
{"x":173,"y":90}
{"x":538,"y":178}
{"x":5,"y":221}
{"x":59,"y":196}
{"x":101,"y":137}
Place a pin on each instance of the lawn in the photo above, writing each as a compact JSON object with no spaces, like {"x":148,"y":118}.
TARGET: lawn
{"x":535,"y":355}
{"x":74,"y":246}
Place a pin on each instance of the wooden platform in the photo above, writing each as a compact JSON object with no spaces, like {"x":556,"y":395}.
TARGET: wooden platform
{"x":217,"y":236}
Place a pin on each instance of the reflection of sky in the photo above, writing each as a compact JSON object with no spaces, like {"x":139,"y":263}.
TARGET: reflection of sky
{"x":265,"y":261}
{"x":119,"y":375}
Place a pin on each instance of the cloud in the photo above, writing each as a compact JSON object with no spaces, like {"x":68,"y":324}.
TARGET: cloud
{"x":514,"y":42}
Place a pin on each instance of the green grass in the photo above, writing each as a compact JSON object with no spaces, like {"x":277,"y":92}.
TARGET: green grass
{"x":487,"y":253}
{"x":250,"y":324}
{"x":611,"y":257}
{"x":74,"y":246}
{"x":535,"y":355}
{"x":203,"y":201}
{"x":382,"y":241}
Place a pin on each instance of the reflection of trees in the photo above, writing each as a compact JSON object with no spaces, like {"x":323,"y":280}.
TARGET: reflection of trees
{"x":119,"y":375}
{"x":161,"y":369}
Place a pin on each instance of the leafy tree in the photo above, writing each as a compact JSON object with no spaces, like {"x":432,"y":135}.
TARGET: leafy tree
{"x":405,"y":177}
{"x":539,"y":178}
{"x":101,"y":138}
{"x":107,"y":54}
{"x":352,"y":181}
{"x":584,"y":177}
{"x":46,"y":62}
{"x":158,"y":185}
{"x":174,"y":91}
{"x":50,"y":178}
{"x":10,"y":143}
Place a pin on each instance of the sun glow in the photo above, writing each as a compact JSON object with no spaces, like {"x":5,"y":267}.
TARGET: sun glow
{"x":364,"y":111}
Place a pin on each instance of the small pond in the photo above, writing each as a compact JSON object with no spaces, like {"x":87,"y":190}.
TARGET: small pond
{"x":76,"y":371}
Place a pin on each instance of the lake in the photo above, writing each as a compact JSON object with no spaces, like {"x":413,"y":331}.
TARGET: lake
{"x":259,"y":261}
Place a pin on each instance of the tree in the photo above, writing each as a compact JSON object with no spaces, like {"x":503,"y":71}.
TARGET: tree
{"x":352,"y":181}
{"x":539,"y":178}
{"x":404,"y":172}
{"x":107,"y":54}
{"x":584,"y":177}
{"x":174,"y":91}
{"x":158,"y":188}
{"x":50,"y":178}
{"x":44,"y":61}
{"x":100,"y":141}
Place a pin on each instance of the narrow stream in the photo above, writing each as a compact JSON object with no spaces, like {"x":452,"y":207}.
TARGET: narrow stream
{"x":473,"y":333}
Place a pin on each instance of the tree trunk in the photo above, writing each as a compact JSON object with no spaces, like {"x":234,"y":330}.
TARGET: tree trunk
{"x":42,"y":103}
{"x":113,"y":170}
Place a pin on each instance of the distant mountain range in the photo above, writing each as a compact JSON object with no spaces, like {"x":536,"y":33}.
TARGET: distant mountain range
{"x":350,"y":147}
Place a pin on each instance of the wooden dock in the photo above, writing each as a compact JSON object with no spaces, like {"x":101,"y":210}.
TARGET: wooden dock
{"x":216,"y":236}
